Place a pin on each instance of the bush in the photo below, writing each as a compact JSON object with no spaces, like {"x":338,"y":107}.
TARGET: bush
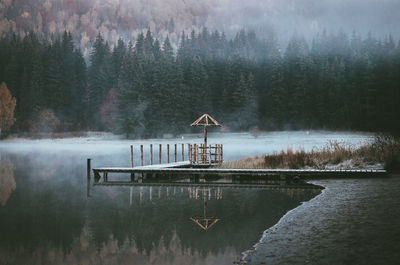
{"x":45,"y":122}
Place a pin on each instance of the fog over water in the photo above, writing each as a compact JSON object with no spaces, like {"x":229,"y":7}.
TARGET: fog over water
{"x":236,"y":145}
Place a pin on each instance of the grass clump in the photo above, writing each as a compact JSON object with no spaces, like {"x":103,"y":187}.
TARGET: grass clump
{"x":384,"y":151}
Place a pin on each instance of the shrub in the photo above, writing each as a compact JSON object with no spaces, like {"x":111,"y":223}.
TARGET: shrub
{"x":46,"y":121}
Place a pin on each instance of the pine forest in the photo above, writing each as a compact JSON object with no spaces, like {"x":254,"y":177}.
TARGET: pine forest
{"x":146,"y":88}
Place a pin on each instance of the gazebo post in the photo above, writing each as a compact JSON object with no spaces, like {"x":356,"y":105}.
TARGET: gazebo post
{"x":204,"y":158}
{"x":205,"y":135}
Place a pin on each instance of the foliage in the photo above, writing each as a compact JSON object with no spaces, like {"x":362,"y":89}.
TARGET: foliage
{"x":45,"y":121}
{"x":7,"y":180}
{"x":7,"y":106}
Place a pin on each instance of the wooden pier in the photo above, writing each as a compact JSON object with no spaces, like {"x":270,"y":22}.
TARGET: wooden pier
{"x":200,"y":167}
{"x":180,"y":168}
{"x":185,"y":173}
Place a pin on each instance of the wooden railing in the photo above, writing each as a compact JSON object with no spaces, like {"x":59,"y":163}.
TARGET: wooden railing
{"x":202,"y":155}
{"x":198,"y":154}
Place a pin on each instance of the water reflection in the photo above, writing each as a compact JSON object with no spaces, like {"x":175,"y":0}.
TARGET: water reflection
{"x":7,"y":181}
{"x":49,"y":218}
{"x":206,"y":222}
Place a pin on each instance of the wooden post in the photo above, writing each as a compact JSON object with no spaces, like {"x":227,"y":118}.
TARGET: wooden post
{"x":132,"y":174}
{"x":131,"y":155}
{"x":141,"y":155}
{"x":151,"y":154}
{"x":168,"y":153}
{"x":205,"y":136}
{"x":88,"y":177}
{"x":219,"y":153}
{"x":197,"y":153}
{"x":193,"y":152}
{"x":175,"y":153}
{"x":222,"y":153}
{"x":203,"y":153}
{"x":199,"y":147}
{"x":192,"y":146}
{"x":216,"y":153}
{"x":183,"y":152}
{"x":190,"y":153}
{"x":159,"y":155}
{"x":209,"y":151}
{"x":88,"y":167}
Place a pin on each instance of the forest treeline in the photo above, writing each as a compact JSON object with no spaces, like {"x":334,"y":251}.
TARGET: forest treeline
{"x":146,"y":89}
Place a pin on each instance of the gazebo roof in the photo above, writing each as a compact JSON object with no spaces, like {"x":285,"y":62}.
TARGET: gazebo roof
{"x":205,"y":222}
{"x":205,"y":120}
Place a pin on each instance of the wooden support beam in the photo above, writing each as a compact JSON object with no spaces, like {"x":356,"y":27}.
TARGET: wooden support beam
{"x":141,"y":155}
{"x":88,"y":168}
{"x":209,"y":152}
{"x":159,"y":155}
{"x":201,"y":151}
{"x":175,"y":152}
{"x":131,"y":155}
{"x":151,"y":154}
{"x":132,"y":174}
{"x":216,"y":153}
{"x":222,"y":154}
{"x":168,"y":153}
{"x":190,"y":153}
{"x":196,"y":153}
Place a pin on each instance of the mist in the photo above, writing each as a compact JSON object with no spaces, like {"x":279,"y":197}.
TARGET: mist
{"x":125,"y":18}
{"x":116,"y":152}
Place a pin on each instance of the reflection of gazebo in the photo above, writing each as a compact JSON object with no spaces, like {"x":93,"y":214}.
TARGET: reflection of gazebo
{"x":203,"y":221}
{"x":206,"y":120}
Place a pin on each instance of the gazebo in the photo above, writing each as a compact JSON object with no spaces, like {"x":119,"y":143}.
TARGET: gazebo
{"x":206,"y":120}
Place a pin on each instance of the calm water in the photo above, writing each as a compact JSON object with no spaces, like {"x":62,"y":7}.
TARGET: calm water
{"x":353,"y":221}
{"x":47,"y":218}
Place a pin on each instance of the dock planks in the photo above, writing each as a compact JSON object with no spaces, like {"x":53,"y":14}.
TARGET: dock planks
{"x":181,"y":168}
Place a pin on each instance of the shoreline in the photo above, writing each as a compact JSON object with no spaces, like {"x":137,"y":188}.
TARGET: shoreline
{"x":346,"y":222}
{"x":264,"y":236}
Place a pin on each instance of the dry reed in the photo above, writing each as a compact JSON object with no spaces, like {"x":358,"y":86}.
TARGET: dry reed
{"x":383,"y":151}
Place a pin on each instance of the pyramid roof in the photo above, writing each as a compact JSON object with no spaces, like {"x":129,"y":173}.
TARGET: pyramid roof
{"x":205,"y":222}
{"x":205,"y":120}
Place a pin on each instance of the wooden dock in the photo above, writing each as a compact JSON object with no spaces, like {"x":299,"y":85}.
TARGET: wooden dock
{"x":259,"y":172}
{"x":187,"y":169}
{"x":201,"y":168}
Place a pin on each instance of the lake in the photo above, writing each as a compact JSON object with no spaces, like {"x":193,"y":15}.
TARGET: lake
{"x":47,"y":217}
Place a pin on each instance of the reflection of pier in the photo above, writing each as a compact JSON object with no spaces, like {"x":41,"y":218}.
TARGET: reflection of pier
{"x":161,"y":192}
{"x":205,"y":222}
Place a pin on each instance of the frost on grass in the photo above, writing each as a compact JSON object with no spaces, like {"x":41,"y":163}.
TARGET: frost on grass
{"x":384,"y":151}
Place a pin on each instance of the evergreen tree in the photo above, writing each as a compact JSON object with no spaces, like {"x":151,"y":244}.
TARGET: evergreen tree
{"x":99,"y":81}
